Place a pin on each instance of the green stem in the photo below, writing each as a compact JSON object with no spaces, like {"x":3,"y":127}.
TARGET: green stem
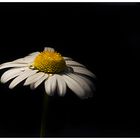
{"x":43,"y":119}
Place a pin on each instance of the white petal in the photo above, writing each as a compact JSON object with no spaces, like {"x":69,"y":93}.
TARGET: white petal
{"x":21,"y":61}
{"x":91,"y":85}
{"x":74,"y":86}
{"x":84,"y":71}
{"x":61,"y":85}
{"x":22,"y":77}
{"x":67,"y":58}
{"x":87,"y":81}
{"x":33,"y":78}
{"x":35,"y":85}
{"x":50,"y":85}
{"x":27,"y":59}
{"x":73,"y":63}
{"x":49,"y":49}
{"x":81,"y":81}
{"x":32,"y":86}
{"x":8,"y":75}
{"x":53,"y":83}
{"x":2,"y":66}
{"x":34,"y":53}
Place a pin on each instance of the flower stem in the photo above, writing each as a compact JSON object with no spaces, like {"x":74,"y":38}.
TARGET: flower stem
{"x":44,"y":114}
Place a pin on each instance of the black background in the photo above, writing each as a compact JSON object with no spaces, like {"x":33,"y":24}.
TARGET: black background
{"x":103,"y":36}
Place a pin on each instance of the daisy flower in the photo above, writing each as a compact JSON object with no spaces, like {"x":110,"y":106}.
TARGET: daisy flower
{"x":57,"y":73}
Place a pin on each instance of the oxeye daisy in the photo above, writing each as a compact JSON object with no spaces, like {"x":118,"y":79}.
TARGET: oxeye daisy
{"x":57,"y":73}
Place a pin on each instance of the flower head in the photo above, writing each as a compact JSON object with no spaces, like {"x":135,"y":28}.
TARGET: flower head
{"x":49,"y":62}
{"x":57,"y":73}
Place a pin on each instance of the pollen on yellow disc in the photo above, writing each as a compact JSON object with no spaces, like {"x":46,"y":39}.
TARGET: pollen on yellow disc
{"x":49,"y":62}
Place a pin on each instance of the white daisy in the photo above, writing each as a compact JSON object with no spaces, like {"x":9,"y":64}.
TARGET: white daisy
{"x":50,"y":67}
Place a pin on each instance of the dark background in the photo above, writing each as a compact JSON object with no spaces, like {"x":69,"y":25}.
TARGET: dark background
{"x":103,"y":36}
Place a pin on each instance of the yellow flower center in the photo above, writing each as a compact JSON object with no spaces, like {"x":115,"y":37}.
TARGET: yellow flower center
{"x":49,"y":62}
